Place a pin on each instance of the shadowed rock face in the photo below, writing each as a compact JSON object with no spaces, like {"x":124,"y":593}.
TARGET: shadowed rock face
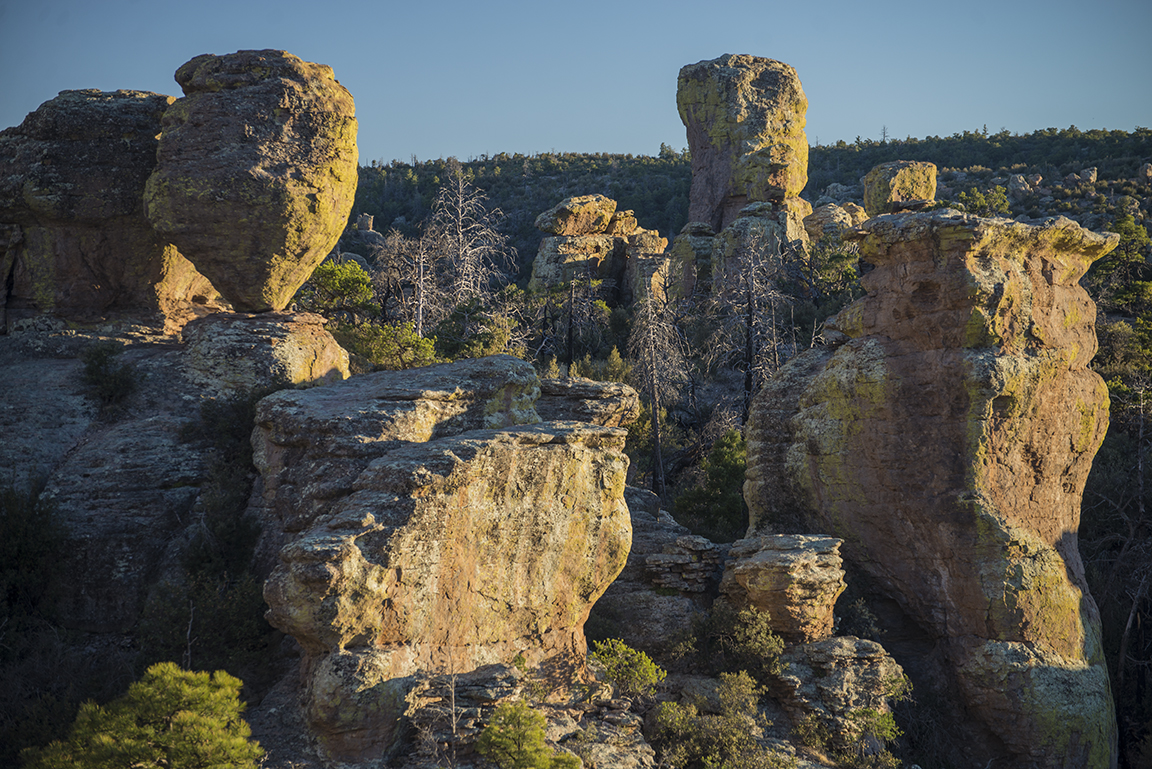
{"x":256,"y":172}
{"x":947,"y":440}
{"x":745,"y":120}
{"x":73,"y":236}
{"x":427,"y":520}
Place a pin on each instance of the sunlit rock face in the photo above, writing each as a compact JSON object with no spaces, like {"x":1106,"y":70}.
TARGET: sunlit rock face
{"x":892,"y":186}
{"x":745,"y":119}
{"x":946,"y":437}
{"x":74,"y":240}
{"x":256,"y":172}
{"x":428,"y":520}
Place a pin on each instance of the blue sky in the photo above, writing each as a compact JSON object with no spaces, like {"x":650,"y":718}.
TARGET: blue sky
{"x":434,"y":78}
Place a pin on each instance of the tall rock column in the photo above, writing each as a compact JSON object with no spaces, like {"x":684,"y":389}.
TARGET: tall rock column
{"x":745,"y":121}
{"x":256,"y":172}
{"x":947,"y":440}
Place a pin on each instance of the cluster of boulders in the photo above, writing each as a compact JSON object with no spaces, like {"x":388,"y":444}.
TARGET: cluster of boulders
{"x":138,"y":205}
{"x":586,"y":238}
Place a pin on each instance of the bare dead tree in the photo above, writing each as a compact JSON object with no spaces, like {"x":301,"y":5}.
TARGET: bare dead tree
{"x":661,"y":367}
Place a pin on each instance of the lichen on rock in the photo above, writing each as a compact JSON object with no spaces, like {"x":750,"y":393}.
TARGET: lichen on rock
{"x":947,"y":439}
{"x":256,"y":172}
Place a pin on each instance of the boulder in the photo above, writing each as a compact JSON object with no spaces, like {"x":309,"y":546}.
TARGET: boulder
{"x":745,"y":121}
{"x":891,"y":186}
{"x":609,"y":404}
{"x":856,"y":212}
{"x":232,"y":353}
{"x":756,"y":232}
{"x":74,"y":240}
{"x":562,"y":258}
{"x":427,"y":520}
{"x":828,"y":681}
{"x":583,"y":215}
{"x":827,"y":221}
{"x":256,"y":172}
{"x":795,"y":578}
{"x":947,"y":438}
{"x":1088,"y":175}
{"x":1145,"y":172}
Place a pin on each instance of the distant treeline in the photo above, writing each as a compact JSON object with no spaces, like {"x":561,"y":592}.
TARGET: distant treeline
{"x":400,"y":194}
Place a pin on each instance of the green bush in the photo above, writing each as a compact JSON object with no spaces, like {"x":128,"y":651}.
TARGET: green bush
{"x":107,"y":382}
{"x":632,"y":672}
{"x":388,"y":347}
{"x":729,"y":640}
{"x":716,"y":508}
{"x":170,"y":718}
{"x":515,"y":740}
{"x":689,"y":739}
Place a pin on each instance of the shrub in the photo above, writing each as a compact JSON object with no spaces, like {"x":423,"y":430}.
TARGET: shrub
{"x":108,"y":383}
{"x":716,"y":508}
{"x":690,"y":739}
{"x":730,"y":641}
{"x":388,"y":347}
{"x":515,"y":740}
{"x":171,"y":717}
{"x":632,"y":672}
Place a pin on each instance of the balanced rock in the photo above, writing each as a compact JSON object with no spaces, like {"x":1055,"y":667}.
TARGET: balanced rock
{"x":795,"y":578}
{"x":229,"y":353}
{"x":427,"y":520}
{"x":828,"y":220}
{"x":584,"y":215}
{"x":947,"y":439}
{"x":256,"y":172}
{"x":745,"y":120}
{"x":899,"y":182}
{"x":74,"y":240}
{"x":574,"y":399}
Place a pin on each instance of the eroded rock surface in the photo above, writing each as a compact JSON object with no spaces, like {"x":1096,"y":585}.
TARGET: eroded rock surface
{"x":233,"y":353}
{"x":795,"y":578}
{"x":947,"y":440}
{"x":74,"y":240}
{"x":898,"y":185}
{"x":427,"y":519}
{"x":609,"y":404}
{"x":256,"y":172}
{"x":745,"y":118}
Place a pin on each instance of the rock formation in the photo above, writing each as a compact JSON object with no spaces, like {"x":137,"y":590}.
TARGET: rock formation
{"x":427,"y":519}
{"x":796,"y":579}
{"x":691,"y":256}
{"x":834,"y":221}
{"x":947,"y":440}
{"x":574,"y":399}
{"x":898,"y":185}
{"x":74,"y":240}
{"x":587,"y":237}
{"x":256,"y":172}
{"x":234,"y":353}
{"x":745,"y":120}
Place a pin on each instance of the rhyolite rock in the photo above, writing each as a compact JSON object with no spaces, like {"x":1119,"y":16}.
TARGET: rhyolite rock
{"x":256,"y":172}
{"x":890,"y":186}
{"x":829,"y":220}
{"x":826,"y":681}
{"x":691,"y":254}
{"x":428,"y":520}
{"x":745,"y":121}
{"x":574,"y":399}
{"x":947,"y":437}
{"x":74,"y":240}
{"x":582,"y":215}
{"x":796,"y":579}
{"x":230,"y":353}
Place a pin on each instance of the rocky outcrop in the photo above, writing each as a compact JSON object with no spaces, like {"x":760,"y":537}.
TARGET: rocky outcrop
{"x":637,"y":608}
{"x":691,"y":256}
{"x":574,"y":399}
{"x":947,"y":439}
{"x":795,"y":579}
{"x":825,"y":683}
{"x":231,"y":353}
{"x":898,"y":185}
{"x":833,"y":221}
{"x":745,"y":120}
{"x":588,"y":237}
{"x":583,"y":215}
{"x":256,"y":172}
{"x":427,"y":519}
{"x":74,"y":240}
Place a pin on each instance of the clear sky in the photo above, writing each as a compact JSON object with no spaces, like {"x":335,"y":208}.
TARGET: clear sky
{"x":434,"y":78}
